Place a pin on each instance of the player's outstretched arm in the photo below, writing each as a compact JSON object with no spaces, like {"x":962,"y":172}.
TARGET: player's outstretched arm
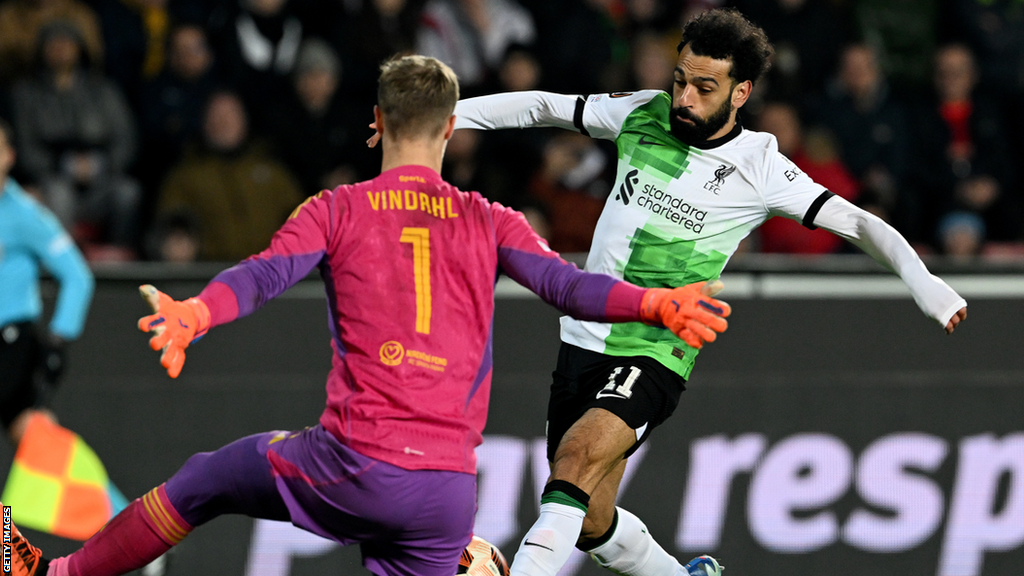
{"x":689,"y":312}
{"x":526,"y":109}
{"x":883,"y":243}
{"x":174,"y":326}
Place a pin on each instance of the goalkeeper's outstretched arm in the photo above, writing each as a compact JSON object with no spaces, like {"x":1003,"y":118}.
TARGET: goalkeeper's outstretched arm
{"x":293,"y":253}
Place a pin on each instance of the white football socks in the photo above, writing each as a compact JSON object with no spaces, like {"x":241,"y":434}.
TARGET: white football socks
{"x":632,"y":551}
{"x":549,"y":542}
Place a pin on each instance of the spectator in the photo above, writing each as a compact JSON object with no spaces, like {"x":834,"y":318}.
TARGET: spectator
{"x":652,"y":16}
{"x":77,"y":138}
{"x":472,"y":36}
{"x":873,"y":137}
{"x":813,"y":152}
{"x":903,"y":35}
{"x":135,"y":34}
{"x":961,"y":162}
{"x":236,"y":194}
{"x":500,"y":163}
{"x":258,"y":45}
{"x":808,"y":37}
{"x":653,"y":58}
{"x":135,"y":37}
{"x":462,"y":159}
{"x":21,"y":22}
{"x":961,"y":235}
{"x":570,"y":190}
{"x":172,"y":103}
{"x":314,"y":128}
{"x":995,"y":33}
{"x":174,"y":239}
{"x":375,"y":31}
{"x":520,"y":69}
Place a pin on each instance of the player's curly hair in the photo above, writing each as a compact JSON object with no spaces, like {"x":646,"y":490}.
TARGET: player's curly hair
{"x":417,"y":95}
{"x":725,"y":34}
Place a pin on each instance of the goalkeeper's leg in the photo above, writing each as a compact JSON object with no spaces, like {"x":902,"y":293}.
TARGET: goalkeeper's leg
{"x":233,"y":480}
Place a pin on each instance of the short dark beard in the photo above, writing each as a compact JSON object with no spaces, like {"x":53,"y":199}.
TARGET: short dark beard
{"x":702,"y":128}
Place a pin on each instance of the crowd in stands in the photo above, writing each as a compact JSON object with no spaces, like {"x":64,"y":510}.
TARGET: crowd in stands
{"x":184,"y":130}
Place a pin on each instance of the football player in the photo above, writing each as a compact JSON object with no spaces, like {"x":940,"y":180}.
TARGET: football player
{"x":409,"y":264}
{"x":691,"y":184}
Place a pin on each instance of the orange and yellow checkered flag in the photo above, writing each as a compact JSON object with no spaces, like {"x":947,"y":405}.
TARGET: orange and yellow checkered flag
{"x":58,"y":485}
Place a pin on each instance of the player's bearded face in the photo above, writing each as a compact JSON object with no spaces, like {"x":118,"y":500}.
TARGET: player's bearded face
{"x":701,"y":128}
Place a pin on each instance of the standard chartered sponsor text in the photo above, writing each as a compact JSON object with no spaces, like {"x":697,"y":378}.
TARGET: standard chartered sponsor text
{"x":673,"y":208}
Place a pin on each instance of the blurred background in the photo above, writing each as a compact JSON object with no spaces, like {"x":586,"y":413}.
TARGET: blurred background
{"x":182,"y":130}
{"x":832,"y":430}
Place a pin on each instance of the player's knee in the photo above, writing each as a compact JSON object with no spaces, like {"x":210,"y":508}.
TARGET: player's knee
{"x":583,"y":461}
{"x":194,"y":490}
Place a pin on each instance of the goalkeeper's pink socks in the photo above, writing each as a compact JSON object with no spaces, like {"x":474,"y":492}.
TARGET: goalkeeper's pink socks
{"x":143,"y":531}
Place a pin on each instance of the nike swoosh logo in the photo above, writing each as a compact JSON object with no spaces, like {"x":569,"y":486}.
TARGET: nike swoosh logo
{"x":528,"y":543}
{"x":645,"y":142}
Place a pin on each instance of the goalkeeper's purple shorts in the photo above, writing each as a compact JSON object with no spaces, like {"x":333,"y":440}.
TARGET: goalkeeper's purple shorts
{"x":406,"y":521}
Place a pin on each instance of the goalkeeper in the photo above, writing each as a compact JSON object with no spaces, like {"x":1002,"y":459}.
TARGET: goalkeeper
{"x":691,"y":184}
{"x":409,"y":264}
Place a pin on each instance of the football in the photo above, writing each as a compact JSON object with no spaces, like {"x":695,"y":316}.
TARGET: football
{"x":480,"y":558}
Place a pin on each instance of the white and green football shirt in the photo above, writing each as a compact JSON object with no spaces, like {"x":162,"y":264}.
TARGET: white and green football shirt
{"x":677,"y":213}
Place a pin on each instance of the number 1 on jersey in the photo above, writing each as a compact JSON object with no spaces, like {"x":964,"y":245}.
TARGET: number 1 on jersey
{"x":420,"y":240}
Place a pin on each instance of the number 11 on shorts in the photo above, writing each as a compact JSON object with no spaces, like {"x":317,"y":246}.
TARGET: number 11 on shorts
{"x":615,"y":390}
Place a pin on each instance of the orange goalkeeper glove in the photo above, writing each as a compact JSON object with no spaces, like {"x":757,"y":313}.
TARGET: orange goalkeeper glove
{"x":175,"y":325}
{"x":689,"y":312}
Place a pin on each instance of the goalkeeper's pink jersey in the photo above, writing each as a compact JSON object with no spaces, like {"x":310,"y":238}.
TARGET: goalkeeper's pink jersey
{"x":409,"y":263}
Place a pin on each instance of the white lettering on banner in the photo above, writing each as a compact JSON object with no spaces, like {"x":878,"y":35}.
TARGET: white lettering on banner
{"x":978,"y":522}
{"x":808,"y":472}
{"x":275,"y":543}
{"x":801,"y":473}
{"x":792,"y":501}
{"x":714,"y":462}
{"x":885,"y":480}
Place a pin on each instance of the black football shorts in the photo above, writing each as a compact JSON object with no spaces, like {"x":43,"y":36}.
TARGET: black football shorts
{"x":638,"y":389}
